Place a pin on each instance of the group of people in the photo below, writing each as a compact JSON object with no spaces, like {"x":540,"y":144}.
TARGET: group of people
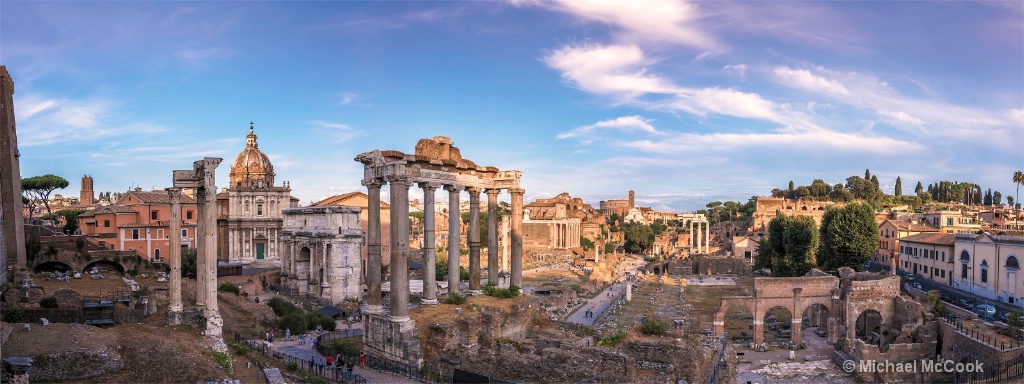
{"x":588,"y":314}
{"x":336,"y":362}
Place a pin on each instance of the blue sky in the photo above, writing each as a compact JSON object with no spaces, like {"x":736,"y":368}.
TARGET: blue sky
{"x":684,"y":102}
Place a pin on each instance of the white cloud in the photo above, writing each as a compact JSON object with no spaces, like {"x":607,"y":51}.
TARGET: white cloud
{"x":624,"y":124}
{"x":821,"y":140}
{"x":340,"y":132}
{"x":654,"y":21}
{"x":29,"y":106}
{"x":900,"y":118}
{"x":804,"y":79}
{"x":740,"y":69}
{"x":612,"y":69}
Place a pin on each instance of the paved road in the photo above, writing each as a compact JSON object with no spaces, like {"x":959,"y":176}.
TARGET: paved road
{"x":302,"y":351}
{"x":602,"y":301}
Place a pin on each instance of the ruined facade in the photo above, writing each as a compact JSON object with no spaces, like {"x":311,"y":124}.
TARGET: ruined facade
{"x":320,"y":252}
{"x":249,"y":210}
{"x":12,"y":225}
{"x":768,"y":207}
{"x":435,"y":164}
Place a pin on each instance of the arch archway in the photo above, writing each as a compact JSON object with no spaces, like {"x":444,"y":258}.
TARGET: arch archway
{"x":739,"y":324}
{"x":52,"y":266}
{"x":778,"y":322}
{"x":816,"y":315}
{"x":869,"y":327}
{"x":104,"y":265}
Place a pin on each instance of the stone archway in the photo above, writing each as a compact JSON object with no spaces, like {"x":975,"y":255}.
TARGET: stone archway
{"x":52,"y":266}
{"x":104,"y":264}
{"x":778,"y":322}
{"x":869,"y":327}
{"x":816,"y":316}
{"x":739,"y":324}
{"x":302,"y":269}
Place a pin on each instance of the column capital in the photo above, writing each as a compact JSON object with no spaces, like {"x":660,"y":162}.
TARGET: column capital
{"x":474,"y":190}
{"x":426,"y":185}
{"x":174,"y":193}
{"x":516,"y":191}
{"x":492,"y":191}
{"x":452,"y":188}
{"x":372,"y":183}
{"x":399,"y":179}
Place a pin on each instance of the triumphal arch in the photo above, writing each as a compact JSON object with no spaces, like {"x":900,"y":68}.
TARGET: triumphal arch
{"x":435,"y":164}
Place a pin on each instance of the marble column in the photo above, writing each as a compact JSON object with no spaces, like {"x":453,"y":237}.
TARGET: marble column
{"x":492,"y":235}
{"x":201,"y":230}
{"x":214,"y":322}
{"x":691,"y":237}
{"x":399,"y":248}
{"x":174,"y":256}
{"x":707,"y":237}
{"x":453,"y":238}
{"x":373,"y":257}
{"x":517,"y":236}
{"x":429,"y":248}
{"x":474,"y":240}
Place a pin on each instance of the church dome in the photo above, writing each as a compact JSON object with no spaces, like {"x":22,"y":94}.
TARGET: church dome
{"x":252,"y":167}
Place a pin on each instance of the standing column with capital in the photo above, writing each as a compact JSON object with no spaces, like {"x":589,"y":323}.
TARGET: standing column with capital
{"x":691,"y":237}
{"x":373,"y":257}
{"x":492,"y":235}
{"x":174,"y":257}
{"x":517,"y":236}
{"x":707,"y":238}
{"x":429,"y":251}
{"x":399,"y":248}
{"x":214,"y":322}
{"x":474,"y":240}
{"x":453,"y":238}
{"x":200,"y":196}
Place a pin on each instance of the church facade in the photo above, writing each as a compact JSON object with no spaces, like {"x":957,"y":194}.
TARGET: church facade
{"x":250,"y":210}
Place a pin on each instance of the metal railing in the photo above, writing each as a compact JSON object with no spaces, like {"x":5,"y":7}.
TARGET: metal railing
{"x":982,"y":337}
{"x":336,"y":374}
{"x":720,"y":365}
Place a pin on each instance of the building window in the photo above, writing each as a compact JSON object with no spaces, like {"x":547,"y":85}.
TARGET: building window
{"x":1011,"y":262}
{"x":984,"y":271}
{"x":259,"y":209}
{"x":188,"y":215}
{"x":963,"y":271}
{"x":135,"y":234}
{"x":156,"y":255}
{"x":949,"y":221}
{"x":926,"y":269}
{"x":184,"y":233}
{"x":964,"y":255}
{"x":152,"y":215}
{"x":943,"y":255}
{"x":942,"y":273}
{"x":106,"y":223}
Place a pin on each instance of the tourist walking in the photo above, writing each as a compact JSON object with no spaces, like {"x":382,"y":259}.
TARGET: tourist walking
{"x":362,"y":359}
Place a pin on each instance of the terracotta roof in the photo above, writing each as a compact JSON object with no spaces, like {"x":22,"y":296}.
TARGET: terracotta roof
{"x":340,"y":200}
{"x":905,"y":225}
{"x":108,"y":209}
{"x":1010,"y":232}
{"x":932,"y":238}
{"x":156,"y":197}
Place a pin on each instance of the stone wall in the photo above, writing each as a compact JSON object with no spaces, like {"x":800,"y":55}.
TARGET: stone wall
{"x":24,"y":297}
{"x":722,"y":266}
{"x":959,"y":347}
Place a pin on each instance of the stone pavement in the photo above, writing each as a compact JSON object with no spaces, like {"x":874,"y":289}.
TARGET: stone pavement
{"x":603,"y":300}
{"x":812,"y":364}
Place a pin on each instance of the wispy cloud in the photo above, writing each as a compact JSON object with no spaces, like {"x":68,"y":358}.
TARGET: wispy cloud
{"x":340,"y":132}
{"x":623,"y":124}
{"x":44,"y":121}
{"x":617,"y":70}
{"x":204,"y":57}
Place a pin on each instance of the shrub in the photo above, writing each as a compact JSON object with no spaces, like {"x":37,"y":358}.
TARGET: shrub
{"x":48,"y":302}
{"x":313,"y":319}
{"x":297,"y":322}
{"x":14,"y":315}
{"x":463,"y":273}
{"x":455,"y":298}
{"x":293,"y":366}
{"x":283,"y":307}
{"x":228,"y":287}
{"x":585,"y":332}
{"x":80,"y":243}
{"x":501,"y":293}
{"x":347,"y":346}
{"x":224,"y":360}
{"x":612,"y":340}
{"x":355,"y":300}
{"x":653,"y":326}
{"x":240,"y":348}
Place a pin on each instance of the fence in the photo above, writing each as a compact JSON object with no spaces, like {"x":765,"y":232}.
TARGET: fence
{"x":302,"y":365}
{"x":396,"y":367}
{"x":1001,"y":372}
{"x":320,"y":340}
{"x":719,"y":369}
{"x":983,"y":337}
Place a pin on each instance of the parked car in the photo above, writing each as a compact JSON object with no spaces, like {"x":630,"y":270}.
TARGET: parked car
{"x":965,"y":304}
{"x":985,"y":310}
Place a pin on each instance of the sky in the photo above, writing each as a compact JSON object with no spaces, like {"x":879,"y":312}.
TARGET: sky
{"x":683,"y":102}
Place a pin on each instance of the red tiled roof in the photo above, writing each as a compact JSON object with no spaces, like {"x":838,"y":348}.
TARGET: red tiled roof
{"x":156,"y":197}
{"x":108,"y":209}
{"x":340,"y":200}
{"x":931,"y":238}
{"x":905,"y":225}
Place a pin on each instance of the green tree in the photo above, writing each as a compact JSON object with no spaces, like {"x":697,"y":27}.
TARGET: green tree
{"x":188,"y":263}
{"x":849,"y":236}
{"x":639,"y":238}
{"x":1015,"y":321}
{"x":801,"y":244}
{"x":765,"y":257}
{"x":40,"y":187}
{"x":586,"y":243}
{"x":919,"y":190}
{"x":1018,"y":178}
{"x":71,"y":218}
{"x":899,"y":187}
{"x":609,"y":247}
{"x":997,"y":198}
{"x":441,"y":266}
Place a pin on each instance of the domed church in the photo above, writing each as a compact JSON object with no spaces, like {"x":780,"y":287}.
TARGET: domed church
{"x":249,"y":216}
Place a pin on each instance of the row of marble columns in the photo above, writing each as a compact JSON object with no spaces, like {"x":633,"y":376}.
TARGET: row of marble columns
{"x":399,"y":269}
{"x":700,"y":230}
{"x":564,"y":233}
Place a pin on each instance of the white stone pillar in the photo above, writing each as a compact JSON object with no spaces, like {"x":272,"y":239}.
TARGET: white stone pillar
{"x":399,"y":248}
{"x":453,"y":238}
{"x":429,"y":248}
{"x":373,"y":256}
{"x":492,"y":235}
{"x":517,"y":236}
{"x":707,"y":238}
{"x":174,"y":257}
